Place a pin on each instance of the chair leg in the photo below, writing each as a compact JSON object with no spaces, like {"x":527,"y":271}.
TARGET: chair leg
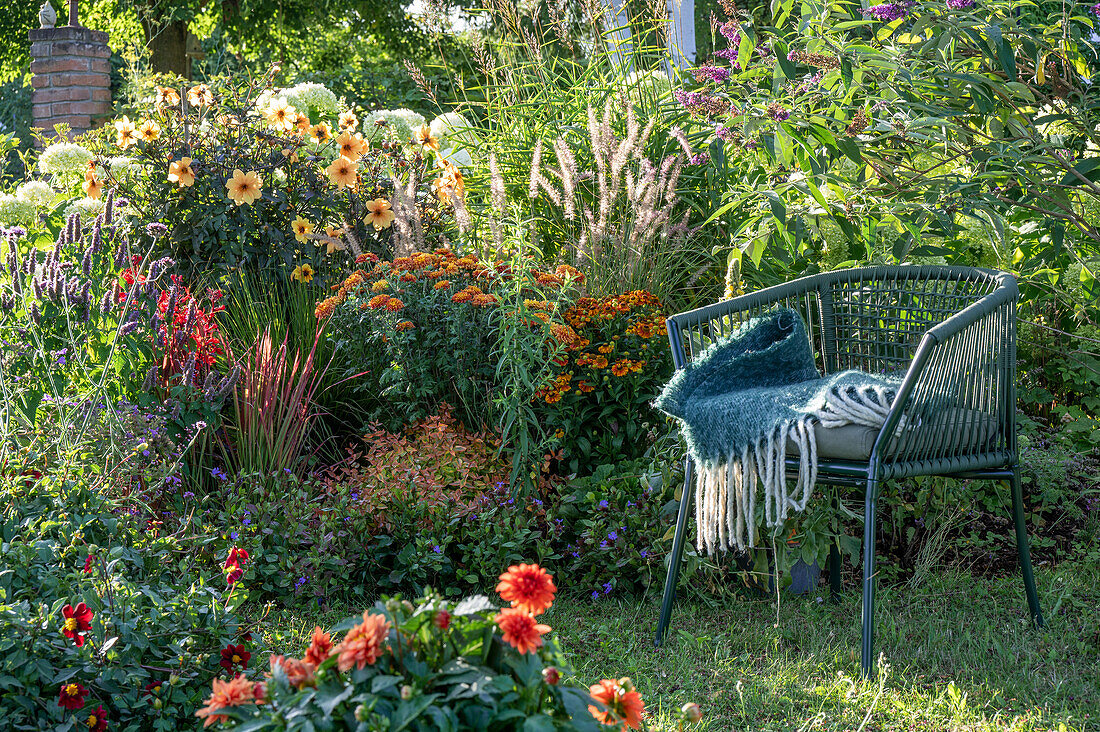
{"x":677,"y":552}
{"x":835,"y":568}
{"x":1023,"y":549}
{"x":867,"y":654}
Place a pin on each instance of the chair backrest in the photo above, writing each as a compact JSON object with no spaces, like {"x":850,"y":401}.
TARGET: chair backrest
{"x":873,"y":318}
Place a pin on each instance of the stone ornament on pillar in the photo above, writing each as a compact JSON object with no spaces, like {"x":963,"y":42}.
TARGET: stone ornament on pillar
{"x":47,"y":16}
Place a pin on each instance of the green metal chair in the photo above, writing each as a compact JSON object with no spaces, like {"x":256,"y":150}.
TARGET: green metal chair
{"x":952,"y":331}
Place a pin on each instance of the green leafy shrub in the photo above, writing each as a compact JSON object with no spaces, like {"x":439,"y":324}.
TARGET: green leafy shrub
{"x":152,"y":642}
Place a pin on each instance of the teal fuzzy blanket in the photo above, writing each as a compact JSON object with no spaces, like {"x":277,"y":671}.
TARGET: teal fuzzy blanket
{"x":740,"y":401}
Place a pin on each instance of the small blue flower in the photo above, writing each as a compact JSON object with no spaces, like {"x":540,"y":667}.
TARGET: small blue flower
{"x":218,"y":473}
{"x":537,"y":502}
{"x":602,"y":504}
{"x":603,"y":544}
{"x":607,"y":588}
{"x":247,"y":522}
{"x":595,"y":594}
{"x":234,"y":536}
{"x":613,"y":535}
{"x":645,"y":553}
{"x":188,"y":494}
{"x":437,"y":549}
{"x":575,"y":555}
{"x":299,"y":582}
{"x":145,"y":453}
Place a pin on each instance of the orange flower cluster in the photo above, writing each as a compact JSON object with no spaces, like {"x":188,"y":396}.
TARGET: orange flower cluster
{"x":530,"y":589}
{"x":624,"y":705}
{"x":364,"y":643}
{"x":609,"y":334}
{"x":227,"y":694}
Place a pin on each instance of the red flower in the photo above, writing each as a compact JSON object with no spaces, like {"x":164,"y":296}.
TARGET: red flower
{"x":624,"y":704}
{"x":320,"y":647}
{"x":88,"y":564}
{"x":520,"y":630}
{"x":72,"y":696}
{"x":153,"y":688}
{"x":77,"y":622}
{"x":97,"y":720}
{"x":234,"y":656}
{"x":234,"y":565}
{"x":442,"y":620}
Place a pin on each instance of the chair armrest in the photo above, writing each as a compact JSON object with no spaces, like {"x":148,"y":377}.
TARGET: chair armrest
{"x":957,"y":401}
{"x":723,"y":316}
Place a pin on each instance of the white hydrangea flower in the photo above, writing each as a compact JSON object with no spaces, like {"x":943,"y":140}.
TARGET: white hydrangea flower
{"x":88,"y":208}
{"x":15,"y":210}
{"x":402,"y":121}
{"x":656,"y":82}
{"x":37,"y":192}
{"x":458,"y":156}
{"x":125,"y":168}
{"x":313,"y":99}
{"x":64,"y":158}
{"x":452,"y":126}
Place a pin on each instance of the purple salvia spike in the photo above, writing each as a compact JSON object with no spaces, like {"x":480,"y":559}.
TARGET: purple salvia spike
{"x":105,"y":303}
{"x":86,"y":262}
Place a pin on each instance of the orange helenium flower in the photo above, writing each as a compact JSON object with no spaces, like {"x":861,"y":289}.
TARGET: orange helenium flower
{"x":320,"y":647}
{"x":378,"y":301}
{"x":226,"y":694}
{"x":623,"y":707}
{"x":180,"y":171}
{"x":342,"y":173}
{"x":379,"y":214}
{"x":244,"y":187}
{"x":393,"y":305}
{"x":520,"y":629}
{"x":364,"y":644}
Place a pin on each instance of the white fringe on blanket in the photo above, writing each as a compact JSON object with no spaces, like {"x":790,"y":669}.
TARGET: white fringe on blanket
{"x":726,"y":492}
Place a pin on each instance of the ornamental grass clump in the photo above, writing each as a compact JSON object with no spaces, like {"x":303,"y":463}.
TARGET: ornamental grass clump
{"x":434,"y":664}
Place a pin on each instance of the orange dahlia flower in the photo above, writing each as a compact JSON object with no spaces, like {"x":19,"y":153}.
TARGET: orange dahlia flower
{"x":320,"y":647}
{"x":226,"y":694}
{"x":342,"y":173}
{"x":364,"y":644}
{"x":181,"y":172}
{"x":624,"y":704}
{"x":528,"y":587}
{"x":244,"y":188}
{"x":520,"y":629}
{"x":299,"y":674}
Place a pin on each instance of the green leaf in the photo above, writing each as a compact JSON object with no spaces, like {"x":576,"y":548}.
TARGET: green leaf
{"x":1087,"y":167}
{"x":541,"y":723}
{"x":329,"y":695}
{"x":1005,"y":54}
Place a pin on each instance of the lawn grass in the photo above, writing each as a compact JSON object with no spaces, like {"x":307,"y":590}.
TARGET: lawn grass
{"x":959,"y":654}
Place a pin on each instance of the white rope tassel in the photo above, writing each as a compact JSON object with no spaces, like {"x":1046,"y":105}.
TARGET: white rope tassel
{"x":780,"y":458}
{"x":699,"y":527}
{"x":721,"y":495}
{"x":867,"y":406}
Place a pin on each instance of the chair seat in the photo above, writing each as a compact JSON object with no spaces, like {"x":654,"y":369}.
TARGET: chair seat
{"x":972,"y":431}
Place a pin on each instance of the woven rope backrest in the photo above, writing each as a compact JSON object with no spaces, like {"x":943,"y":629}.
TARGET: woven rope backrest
{"x":874,"y":318}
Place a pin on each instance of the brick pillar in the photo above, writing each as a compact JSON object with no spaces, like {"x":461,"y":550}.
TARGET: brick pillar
{"x":71,"y":77}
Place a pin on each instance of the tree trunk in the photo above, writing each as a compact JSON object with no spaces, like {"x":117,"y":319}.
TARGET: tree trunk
{"x":167,"y":43}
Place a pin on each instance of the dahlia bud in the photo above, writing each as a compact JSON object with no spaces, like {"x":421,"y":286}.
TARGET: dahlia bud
{"x":691,"y":713}
{"x":392,"y":606}
{"x":157,"y":703}
{"x":551,"y":675}
{"x":173,"y":680}
{"x":406,"y":692}
{"x":626,"y":684}
{"x":362,"y":714}
{"x":442,"y":620}
{"x":408,"y":607}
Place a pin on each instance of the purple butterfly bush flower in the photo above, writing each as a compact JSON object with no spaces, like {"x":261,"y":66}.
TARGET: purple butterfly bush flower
{"x":964,"y":4}
{"x":717,"y":74}
{"x":888,"y":12}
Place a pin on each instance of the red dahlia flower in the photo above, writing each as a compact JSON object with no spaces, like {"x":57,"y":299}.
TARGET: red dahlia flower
{"x":97,"y":720}
{"x":78,"y":621}
{"x":234,"y":656}
{"x":72,"y":696}
{"x":528,"y":587}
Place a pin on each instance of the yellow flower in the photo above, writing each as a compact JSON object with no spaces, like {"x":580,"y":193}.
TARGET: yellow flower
{"x":423,"y":136}
{"x":200,"y":96}
{"x":244,"y":187}
{"x":149,"y":130}
{"x":348,"y":120}
{"x":282,"y":116}
{"x":351,"y":146}
{"x":321,"y":133}
{"x":180,"y":172}
{"x":93,"y":186}
{"x":379,"y":214}
{"x":334,"y":244}
{"x":342,"y":173}
{"x":167,"y":97}
{"x":302,"y":229}
{"x":302,"y":273}
{"x":301,"y":123}
{"x":126,"y":130}
{"x":449,"y":184}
